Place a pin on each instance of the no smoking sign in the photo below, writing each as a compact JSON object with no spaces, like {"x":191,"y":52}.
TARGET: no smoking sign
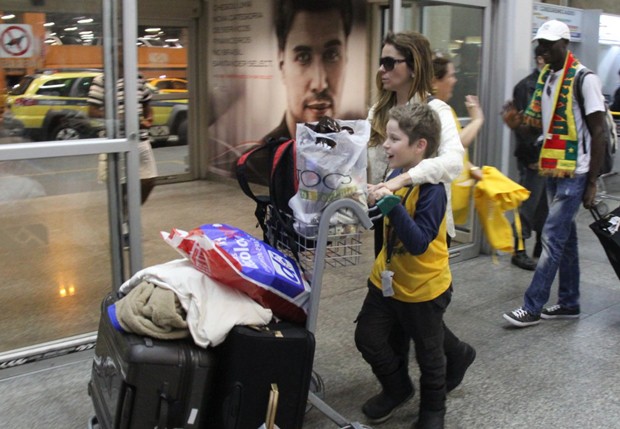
{"x":15,"y":41}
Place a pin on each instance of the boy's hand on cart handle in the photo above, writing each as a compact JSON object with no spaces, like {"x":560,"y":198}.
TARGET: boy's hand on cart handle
{"x":387,"y":203}
{"x":376,"y":192}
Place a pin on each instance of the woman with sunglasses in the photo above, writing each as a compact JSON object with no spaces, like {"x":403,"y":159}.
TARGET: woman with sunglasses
{"x":405,"y":76}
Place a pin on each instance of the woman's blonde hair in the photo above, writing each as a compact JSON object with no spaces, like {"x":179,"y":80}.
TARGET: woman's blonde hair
{"x":416,"y":49}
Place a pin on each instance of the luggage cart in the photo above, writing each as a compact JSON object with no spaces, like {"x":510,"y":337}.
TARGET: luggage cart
{"x":333,"y":245}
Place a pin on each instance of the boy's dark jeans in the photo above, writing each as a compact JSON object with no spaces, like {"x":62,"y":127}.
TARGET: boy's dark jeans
{"x":378,"y":338}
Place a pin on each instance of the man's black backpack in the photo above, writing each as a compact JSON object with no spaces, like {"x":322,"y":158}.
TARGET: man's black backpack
{"x":272,"y":164}
{"x":610,"y":131}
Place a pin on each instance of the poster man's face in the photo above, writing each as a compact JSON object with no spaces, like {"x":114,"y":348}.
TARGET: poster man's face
{"x":313,"y":65}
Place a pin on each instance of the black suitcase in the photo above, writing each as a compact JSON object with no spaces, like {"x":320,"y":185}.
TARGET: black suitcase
{"x":139,"y":382}
{"x":608,"y":234}
{"x":250,"y":361}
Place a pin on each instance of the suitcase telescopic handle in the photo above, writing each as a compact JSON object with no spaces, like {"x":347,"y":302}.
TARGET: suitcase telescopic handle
{"x":163,"y":407}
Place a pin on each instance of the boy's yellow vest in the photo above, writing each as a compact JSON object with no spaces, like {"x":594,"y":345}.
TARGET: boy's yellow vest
{"x":417,"y":278}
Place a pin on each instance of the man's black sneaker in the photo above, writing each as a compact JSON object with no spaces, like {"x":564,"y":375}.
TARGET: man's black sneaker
{"x":521,"y":260}
{"x":559,"y":312}
{"x":522,"y":318}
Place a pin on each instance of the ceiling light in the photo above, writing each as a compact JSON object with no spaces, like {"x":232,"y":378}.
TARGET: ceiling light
{"x":71,"y":28}
{"x":152,"y":30}
{"x":49,"y":24}
{"x":9,"y":16}
{"x":85,"y":21}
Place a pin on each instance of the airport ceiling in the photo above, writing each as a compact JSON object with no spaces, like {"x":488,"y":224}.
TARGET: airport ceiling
{"x":82,"y":29}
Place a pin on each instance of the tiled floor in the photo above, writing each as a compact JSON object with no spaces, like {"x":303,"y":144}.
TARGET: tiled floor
{"x":561,"y":374}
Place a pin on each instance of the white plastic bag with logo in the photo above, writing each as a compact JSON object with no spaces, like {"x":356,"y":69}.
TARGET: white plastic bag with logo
{"x":330,"y":166}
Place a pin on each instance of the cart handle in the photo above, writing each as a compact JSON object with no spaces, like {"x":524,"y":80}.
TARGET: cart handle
{"x":320,"y":251}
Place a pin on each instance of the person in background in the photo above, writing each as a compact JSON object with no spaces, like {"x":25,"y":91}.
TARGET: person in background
{"x":533,"y":211}
{"x":148,"y":166}
{"x":96,"y":109}
{"x":615,"y":105}
{"x":571,"y":158}
{"x":405,"y":76}
{"x":443,"y":86}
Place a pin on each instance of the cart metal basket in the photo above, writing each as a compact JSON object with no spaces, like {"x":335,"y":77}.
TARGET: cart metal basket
{"x":343,"y":246}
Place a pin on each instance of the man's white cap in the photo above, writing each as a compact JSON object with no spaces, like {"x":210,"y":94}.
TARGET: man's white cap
{"x":553,"y":30}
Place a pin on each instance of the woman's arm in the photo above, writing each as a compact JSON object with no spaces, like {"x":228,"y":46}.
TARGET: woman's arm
{"x":470,"y":131}
{"x":448,"y":163}
{"x":147,"y":112}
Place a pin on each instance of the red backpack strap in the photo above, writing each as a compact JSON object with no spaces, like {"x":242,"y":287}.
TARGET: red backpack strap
{"x":262,"y":153}
{"x":283,"y":172}
{"x":241,"y":169}
{"x":277,"y":158}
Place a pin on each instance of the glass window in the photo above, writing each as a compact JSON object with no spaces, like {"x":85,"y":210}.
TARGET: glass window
{"x":54,"y":249}
{"x":21,"y":87}
{"x":56,"y":88}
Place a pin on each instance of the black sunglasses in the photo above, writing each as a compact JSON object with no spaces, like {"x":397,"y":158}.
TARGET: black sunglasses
{"x":388,"y":63}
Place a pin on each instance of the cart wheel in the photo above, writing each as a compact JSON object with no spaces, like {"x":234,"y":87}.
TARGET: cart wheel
{"x":602,"y":207}
{"x":93,"y":423}
{"x":317,"y":387}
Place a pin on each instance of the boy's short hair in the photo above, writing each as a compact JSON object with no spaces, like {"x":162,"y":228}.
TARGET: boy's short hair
{"x":419,"y":121}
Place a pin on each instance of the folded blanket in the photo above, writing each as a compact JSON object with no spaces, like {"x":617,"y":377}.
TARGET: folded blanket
{"x":152,"y":311}
{"x":213,"y":309}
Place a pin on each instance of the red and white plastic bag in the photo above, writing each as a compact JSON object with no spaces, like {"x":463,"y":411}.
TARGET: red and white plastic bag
{"x":241,"y":261}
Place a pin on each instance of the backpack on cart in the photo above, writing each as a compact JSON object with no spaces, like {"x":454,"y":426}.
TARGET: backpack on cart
{"x":273,"y":165}
{"x":611,"y":135}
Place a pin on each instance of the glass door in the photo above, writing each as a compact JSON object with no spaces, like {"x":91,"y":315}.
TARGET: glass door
{"x":459,"y":31}
{"x":162,"y":61}
{"x":60,"y":204}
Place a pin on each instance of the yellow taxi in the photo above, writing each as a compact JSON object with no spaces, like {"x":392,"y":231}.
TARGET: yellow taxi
{"x":168,"y":85}
{"x":52,"y":105}
{"x":35,"y":105}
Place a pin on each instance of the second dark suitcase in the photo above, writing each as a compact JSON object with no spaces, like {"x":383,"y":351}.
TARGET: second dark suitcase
{"x":607,"y":230}
{"x":250,"y":361}
{"x":139,"y":382}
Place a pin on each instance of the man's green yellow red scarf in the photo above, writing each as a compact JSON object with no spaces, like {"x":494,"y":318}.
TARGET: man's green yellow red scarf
{"x":558,"y":156}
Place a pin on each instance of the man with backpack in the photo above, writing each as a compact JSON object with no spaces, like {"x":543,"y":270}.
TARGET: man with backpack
{"x":571,"y":157}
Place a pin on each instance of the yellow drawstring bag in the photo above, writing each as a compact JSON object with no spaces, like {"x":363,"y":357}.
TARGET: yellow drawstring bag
{"x":461,"y":194}
{"x":493,"y":195}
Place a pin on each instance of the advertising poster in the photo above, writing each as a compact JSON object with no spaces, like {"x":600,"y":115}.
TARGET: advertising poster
{"x":570,"y":16}
{"x":256,"y":82}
